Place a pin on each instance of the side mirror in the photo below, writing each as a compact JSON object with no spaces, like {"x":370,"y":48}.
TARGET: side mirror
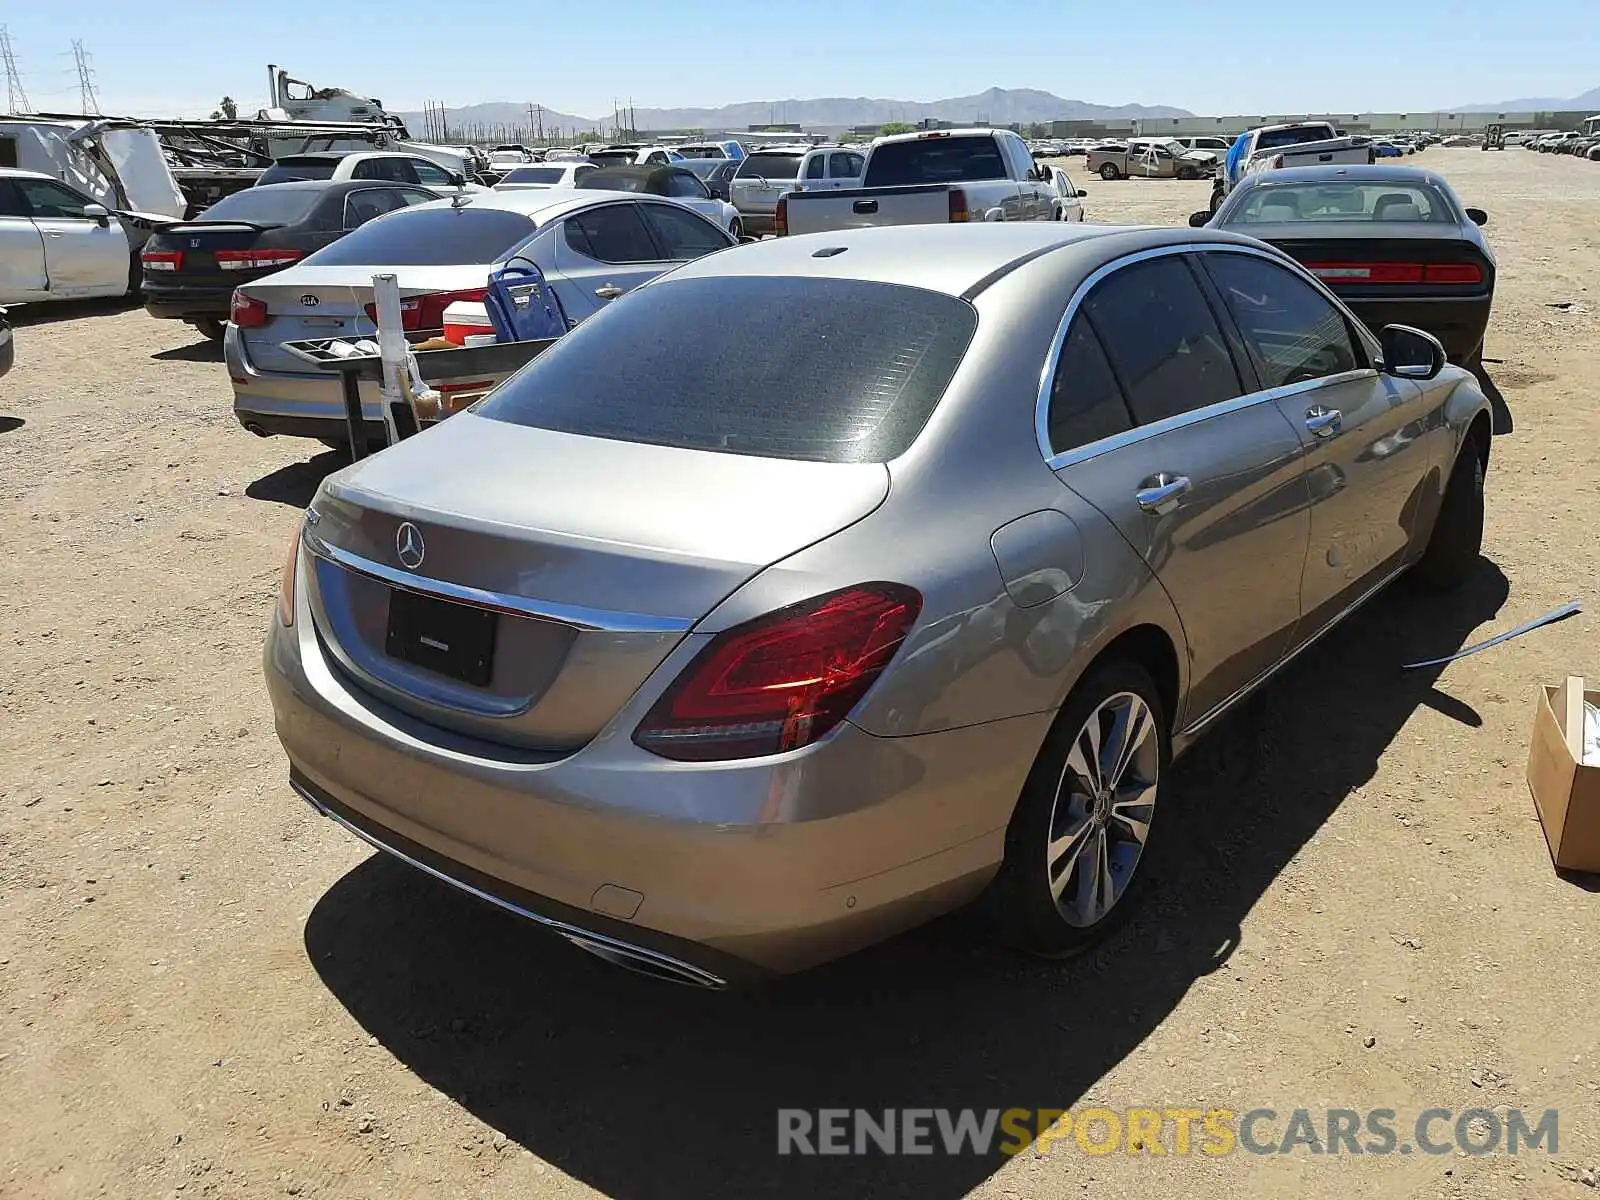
{"x":1082,"y":193}
{"x":746,"y":239}
{"x":1198,"y":220}
{"x":1477,"y":216}
{"x":98,"y":213}
{"x":457,"y":179}
{"x":1410,"y":353}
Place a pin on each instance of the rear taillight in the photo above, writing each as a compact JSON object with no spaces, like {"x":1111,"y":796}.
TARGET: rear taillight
{"x":426,"y":311}
{"x":780,"y":217}
{"x":162,"y":260}
{"x":247,"y":312}
{"x":256,"y":260}
{"x":783,"y":680}
{"x":1395,"y":272}
{"x":959,"y":212}
{"x":1452,"y":273}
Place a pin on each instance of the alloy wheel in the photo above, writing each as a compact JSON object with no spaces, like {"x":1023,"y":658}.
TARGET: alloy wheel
{"x":1103,"y":807}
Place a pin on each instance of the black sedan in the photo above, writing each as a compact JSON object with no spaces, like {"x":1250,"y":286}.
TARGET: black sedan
{"x":191,"y":268}
{"x":1394,"y":243}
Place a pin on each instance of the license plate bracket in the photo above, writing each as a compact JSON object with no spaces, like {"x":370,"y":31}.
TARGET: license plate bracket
{"x":454,"y":640}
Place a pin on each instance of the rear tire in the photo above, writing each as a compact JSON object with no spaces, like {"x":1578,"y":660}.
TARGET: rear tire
{"x":1082,"y":824}
{"x":1109,"y":172}
{"x":1457,"y":536}
{"x":211,"y":327}
{"x":1188,"y":173}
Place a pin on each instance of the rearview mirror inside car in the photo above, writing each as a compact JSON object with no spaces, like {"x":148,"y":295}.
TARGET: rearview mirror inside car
{"x":1477,"y":216}
{"x":1410,"y":353}
{"x":1199,"y":219}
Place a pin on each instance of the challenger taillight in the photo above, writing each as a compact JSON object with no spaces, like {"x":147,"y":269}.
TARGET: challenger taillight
{"x":256,"y":260}
{"x":162,"y":260}
{"x":1395,"y":272}
{"x":426,"y":311}
{"x":246,"y":311}
{"x":781,"y":681}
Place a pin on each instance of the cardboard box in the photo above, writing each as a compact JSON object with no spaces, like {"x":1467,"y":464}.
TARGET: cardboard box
{"x":1566,"y":792}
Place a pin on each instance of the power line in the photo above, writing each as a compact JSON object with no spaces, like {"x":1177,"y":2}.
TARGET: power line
{"x":86,"y":95}
{"x":14,"y":92}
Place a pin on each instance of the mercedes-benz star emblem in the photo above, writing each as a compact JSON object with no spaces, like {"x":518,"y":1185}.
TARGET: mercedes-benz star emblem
{"x":408,"y":545}
{"x":309,"y":300}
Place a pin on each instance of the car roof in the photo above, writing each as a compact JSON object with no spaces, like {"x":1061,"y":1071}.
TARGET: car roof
{"x":542,"y":204}
{"x":960,"y":260}
{"x":1355,"y":173}
{"x":19,"y":173}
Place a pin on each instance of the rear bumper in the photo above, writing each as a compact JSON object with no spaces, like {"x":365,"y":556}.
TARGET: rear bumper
{"x":736,"y":869}
{"x":1458,"y":322}
{"x":162,"y":298}
{"x":309,"y":406}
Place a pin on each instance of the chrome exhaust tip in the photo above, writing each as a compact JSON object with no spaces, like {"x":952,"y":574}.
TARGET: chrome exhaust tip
{"x":646,"y":962}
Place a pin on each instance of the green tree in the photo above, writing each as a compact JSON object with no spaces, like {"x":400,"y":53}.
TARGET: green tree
{"x":897,"y":127}
{"x":227,"y":110}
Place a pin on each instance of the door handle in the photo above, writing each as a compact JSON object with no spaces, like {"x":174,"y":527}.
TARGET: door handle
{"x":52,"y":233}
{"x":1161,"y":495}
{"x":865,"y":207}
{"x":1324,"y":422}
{"x":609,"y":292}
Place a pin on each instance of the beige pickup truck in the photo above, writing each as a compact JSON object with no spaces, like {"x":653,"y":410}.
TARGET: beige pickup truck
{"x":1151,"y":158}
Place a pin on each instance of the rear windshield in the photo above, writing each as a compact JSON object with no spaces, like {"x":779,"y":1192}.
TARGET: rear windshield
{"x":612,"y":158}
{"x":693,"y":363}
{"x":428,"y":237}
{"x":283,"y":172}
{"x":769,"y":166}
{"x":616,"y":181}
{"x":934,"y":160}
{"x":535,"y":175}
{"x":265,"y":205}
{"x":1343,"y":202}
{"x":1273,"y":138}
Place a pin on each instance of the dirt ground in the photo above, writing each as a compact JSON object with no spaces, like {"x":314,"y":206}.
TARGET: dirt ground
{"x":206,"y":990}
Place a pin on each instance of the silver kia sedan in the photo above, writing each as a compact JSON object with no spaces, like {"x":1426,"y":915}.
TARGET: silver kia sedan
{"x":827,"y":583}
{"x":592,"y":247}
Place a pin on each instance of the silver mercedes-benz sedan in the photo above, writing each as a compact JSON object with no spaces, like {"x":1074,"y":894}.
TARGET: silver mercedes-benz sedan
{"x":826,"y":583}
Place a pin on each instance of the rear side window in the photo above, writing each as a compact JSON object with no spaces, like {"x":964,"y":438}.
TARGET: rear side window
{"x":1085,"y":402}
{"x":614,"y":233}
{"x":283,"y":172}
{"x":934,"y":160}
{"x":1290,"y":329}
{"x":1162,"y":339}
{"x":693,"y":363}
{"x":682,"y":234}
{"x":429,"y":237}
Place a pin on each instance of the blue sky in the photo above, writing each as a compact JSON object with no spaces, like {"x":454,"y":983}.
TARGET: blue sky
{"x":1242,"y":57}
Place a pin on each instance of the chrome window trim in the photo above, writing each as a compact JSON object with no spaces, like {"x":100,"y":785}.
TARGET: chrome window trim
{"x":579,"y":616}
{"x":1041,"y":412}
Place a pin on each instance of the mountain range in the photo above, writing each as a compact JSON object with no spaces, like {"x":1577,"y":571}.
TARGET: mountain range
{"x":1590,"y":100}
{"x":999,"y":106}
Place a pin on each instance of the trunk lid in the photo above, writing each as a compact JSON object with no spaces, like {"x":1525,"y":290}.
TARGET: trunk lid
{"x":323,"y":302}
{"x":596,"y":555}
{"x":869,"y":208}
{"x":197,"y":244}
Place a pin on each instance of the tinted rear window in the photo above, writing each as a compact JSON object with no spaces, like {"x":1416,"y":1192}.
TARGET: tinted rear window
{"x":1343,"y":203}
{"x":694,"y":363}
{"x":770,"y":166}
{"x":431,"y":237}
{"x":535,"y":175}
{"x":1274,"y":138}
{"x":284,"y":172}
{"x":616,"y":180}
{"x":614,"y":158}
{"x":265,"y":205}
{"x":934,"y":160}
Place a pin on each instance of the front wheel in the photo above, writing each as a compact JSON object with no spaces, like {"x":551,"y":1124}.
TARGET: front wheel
{"x":1187,"y":173}
{"x":1109,"y":172}
{"x":1082,"y":824}
{"x":736,"y":229}
{"x":1457,"y":536}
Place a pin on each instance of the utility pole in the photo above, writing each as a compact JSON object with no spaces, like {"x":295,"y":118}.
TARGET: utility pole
{"x":539,"y":111}
{"x":90,"y":106}
{"x":14,"y":92}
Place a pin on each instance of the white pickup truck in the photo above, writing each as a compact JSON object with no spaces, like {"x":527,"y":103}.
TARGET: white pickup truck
{"x":930,"y":178}
{"x":1299,"y":144}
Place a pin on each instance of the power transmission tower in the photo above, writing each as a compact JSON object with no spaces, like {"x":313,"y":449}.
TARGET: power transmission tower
{"x":14,"y":92}
{"x":85,"y":80}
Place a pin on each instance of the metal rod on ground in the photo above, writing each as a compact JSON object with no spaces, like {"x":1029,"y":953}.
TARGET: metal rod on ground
{"x":1549,"y":618}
